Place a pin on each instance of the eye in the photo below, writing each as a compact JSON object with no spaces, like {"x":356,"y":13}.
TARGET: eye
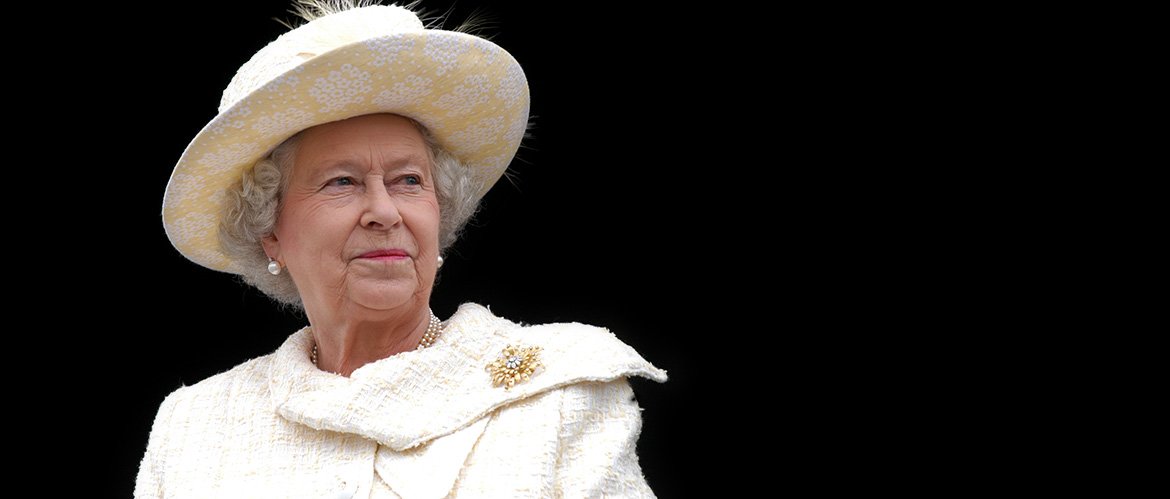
{"x":340,"y":182}
{"x":412,"y":180}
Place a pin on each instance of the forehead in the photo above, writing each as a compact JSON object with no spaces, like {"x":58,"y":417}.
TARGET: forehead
{"x":375,"y":136}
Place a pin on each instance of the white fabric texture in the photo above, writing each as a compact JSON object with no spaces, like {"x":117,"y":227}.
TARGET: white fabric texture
{"x":421,"y":424}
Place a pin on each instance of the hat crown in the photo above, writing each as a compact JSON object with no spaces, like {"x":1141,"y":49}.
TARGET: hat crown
{"x":314,"y":38}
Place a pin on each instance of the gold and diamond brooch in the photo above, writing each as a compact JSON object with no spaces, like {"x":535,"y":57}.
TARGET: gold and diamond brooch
{"x":514,"y":365}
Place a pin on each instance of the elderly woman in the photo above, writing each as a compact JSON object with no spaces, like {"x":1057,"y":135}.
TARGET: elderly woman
{"x":346,"y":156}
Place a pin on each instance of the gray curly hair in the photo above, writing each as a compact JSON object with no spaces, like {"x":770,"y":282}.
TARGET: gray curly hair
{"x":253,"y":203}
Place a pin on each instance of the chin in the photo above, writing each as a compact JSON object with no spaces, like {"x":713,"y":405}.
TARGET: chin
{"x":383,"y":296}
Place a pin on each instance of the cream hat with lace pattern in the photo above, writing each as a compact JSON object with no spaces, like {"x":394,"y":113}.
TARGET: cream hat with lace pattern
{"x":468,"y":92}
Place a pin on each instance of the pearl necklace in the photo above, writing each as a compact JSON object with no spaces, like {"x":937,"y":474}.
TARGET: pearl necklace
{"x":434,"y":329}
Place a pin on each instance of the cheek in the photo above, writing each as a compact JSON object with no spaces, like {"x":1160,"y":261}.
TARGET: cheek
{"x":425,"y":217}
{"x":311,"y":229}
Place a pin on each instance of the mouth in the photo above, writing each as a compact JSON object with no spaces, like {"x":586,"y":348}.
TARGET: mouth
{"x":385,"y":254}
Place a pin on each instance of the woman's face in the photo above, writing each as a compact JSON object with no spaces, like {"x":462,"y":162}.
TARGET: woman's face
{"x":359,"y":225}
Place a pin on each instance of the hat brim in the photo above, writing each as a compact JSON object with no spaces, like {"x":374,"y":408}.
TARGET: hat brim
{"x":469,"y":93}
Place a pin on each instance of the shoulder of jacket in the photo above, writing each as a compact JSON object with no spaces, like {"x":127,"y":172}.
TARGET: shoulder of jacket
{"x":248,"y":378}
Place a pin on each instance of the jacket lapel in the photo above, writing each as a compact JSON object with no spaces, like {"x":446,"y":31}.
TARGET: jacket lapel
{"x":402,"y":401}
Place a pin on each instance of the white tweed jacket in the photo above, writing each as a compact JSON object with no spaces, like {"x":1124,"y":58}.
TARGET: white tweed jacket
{"x":420,"y":424}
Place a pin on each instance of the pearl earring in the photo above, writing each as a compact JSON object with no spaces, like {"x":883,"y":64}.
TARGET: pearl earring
{"x":273,"y":267}
{"x":440,"y":260}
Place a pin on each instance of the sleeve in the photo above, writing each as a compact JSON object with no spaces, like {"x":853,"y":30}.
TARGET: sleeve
{"x":150,"y":471}
{"x":600,"y":423}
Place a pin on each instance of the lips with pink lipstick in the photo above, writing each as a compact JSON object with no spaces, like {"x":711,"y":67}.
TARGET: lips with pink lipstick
{"x":385,"y":254}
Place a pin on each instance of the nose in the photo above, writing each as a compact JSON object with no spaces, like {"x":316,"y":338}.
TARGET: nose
{"x":381,"y":212}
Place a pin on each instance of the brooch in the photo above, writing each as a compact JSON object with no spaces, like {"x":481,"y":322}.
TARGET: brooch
{"x":514,"y":365}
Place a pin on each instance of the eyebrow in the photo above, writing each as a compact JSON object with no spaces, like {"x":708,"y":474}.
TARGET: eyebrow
{"x":329,"y":166}
{"x":394,"y":163}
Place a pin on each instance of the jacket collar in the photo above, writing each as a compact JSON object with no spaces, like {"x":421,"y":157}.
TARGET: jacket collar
{"x":411,"y":398}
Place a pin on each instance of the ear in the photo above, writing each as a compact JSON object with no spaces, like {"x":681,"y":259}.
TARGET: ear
{"x":271,"y":247}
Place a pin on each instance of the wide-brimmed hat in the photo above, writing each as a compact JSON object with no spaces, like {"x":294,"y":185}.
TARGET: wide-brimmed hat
{"x":468,"y":92}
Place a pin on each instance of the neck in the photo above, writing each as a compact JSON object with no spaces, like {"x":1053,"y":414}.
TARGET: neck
{"x":345,"y":343}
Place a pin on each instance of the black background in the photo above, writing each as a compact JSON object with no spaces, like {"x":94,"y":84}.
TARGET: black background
{"x":624,"y":212}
